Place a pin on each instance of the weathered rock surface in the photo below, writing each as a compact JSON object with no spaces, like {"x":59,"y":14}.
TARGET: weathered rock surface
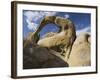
{"x":39,"y":57}
{"x":50,"y":34}
{"x":80,"y":54}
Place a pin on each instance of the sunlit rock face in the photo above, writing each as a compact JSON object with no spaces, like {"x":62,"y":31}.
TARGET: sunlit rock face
{"x":49,"y":34}
{"x":80,"y":54}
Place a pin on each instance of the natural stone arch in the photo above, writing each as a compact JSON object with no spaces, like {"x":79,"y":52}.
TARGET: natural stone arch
{"x":67,"y":30}
{"x":65,"y":36}
{"x":45,"y":21}
{"x":61,"y":23}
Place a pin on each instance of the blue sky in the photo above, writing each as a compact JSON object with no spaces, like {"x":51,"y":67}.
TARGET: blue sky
{"x":31,"y":20}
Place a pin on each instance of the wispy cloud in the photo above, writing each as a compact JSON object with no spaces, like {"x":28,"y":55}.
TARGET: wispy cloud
{"x":31,"y":25}
{"x":66,"y":16}
{"x":49,"y":13}
{"x":86,"y":29}
{"x":33,"y":16}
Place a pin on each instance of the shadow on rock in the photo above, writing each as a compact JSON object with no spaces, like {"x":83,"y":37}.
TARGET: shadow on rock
{"x":39,"y":57}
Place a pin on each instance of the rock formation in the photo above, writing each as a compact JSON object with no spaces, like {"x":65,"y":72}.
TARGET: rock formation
{"x":39,"y":57}
{"x":60,"y":49}
{"x":31,"y":39}
{"x":80,"y":54}
{"x":49,"y":34}
{"x":64,"y":38}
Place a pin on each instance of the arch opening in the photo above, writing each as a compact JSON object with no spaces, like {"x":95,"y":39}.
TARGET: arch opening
{"x":49,"y":30}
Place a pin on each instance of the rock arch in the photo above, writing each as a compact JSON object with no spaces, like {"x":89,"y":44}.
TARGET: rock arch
{"x":61,"y":23}
{"x":65,"y":36}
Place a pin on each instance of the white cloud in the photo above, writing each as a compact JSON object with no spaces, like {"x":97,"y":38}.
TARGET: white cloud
{"x":32,"y":17}
{"x":50,"y":13}
{"x":31,"y":25}
{"x":38,"y":14}
{"x":66,"y":16}
{"x":86,"y":29}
